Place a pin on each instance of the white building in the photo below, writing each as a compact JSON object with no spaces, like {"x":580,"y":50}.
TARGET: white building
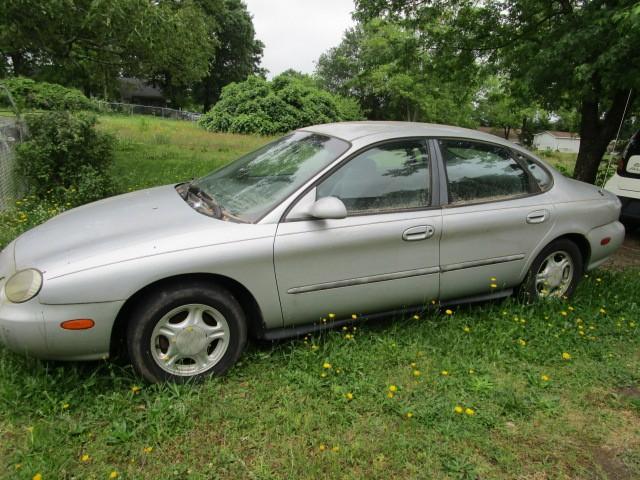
{"x":557,"y":141}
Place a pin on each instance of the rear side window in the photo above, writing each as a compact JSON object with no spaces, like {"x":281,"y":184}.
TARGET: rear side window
{"x":540,"y":174}
{"x":480,"y":172}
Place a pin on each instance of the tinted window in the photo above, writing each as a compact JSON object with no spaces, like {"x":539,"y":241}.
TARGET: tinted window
{"x":540,"y":174}
{"x":479,"y":172}
{"x":252,"y":185}
{"x":390,"y":177}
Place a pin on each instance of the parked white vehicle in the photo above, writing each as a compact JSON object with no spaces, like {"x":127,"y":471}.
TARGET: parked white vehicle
{"x":625,"y":183}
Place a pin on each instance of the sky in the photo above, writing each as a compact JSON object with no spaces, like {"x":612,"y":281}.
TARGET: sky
{"x":296,"y":32}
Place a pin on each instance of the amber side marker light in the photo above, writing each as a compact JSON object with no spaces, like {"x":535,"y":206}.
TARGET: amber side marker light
{"x":79,"y":324}
{"x":605,"y":240}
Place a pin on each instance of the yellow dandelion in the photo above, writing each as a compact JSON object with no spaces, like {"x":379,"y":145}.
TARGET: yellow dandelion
{"x":494,"y":285}
{"x":65,"y":406}
{"x":314,"y":347}
{"x":416,"y":317}
{"x":135,"y":389}
{"x":147,"y":449}
{"x":113,"y":474}
{"x":349,"y":396}
{"x":30,"y":429}
{"x":409,"y":415}
{"x":338,"y":370}
{"x":466,"y":329}
{"x":85,"y":457}
{"x":335,"y":449}
{"x":571,"y":308}
{"x":345,"y":328}
{"x":354,"y":316}
{"x":563,"y":313}
{"x":469,"y":411}
{"x":448,"y":311}
{"x":37,"y":476}
{"x":326,"y":365}
{"x":18,"y":466}
{"x":566,"y":356}
{"x":458,"y":409}
{"x":390,"y":395}
{"x":544,"y":378}
{"x":598,"y":280}
{"x":471,"y":371}
{"x":414,"y":364}
{"x":332,"y":315}
{"x":323,"y":374}
{"x":602,"y":310}
{"x":393,"y":388}
{"x":348,"y":336}
{"x":322,"y":447}
{"x":416,"y":373}
{"x":522,"y":342}
{"x":444,"y":373}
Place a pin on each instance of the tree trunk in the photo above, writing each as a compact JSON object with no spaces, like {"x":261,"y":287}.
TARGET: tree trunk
{"x":596,"y":133}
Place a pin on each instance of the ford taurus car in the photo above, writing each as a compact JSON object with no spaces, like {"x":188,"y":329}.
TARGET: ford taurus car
{"x":348,"y":219}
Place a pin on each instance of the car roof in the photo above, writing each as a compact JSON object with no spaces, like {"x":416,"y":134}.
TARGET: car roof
{"x":351,"y":131}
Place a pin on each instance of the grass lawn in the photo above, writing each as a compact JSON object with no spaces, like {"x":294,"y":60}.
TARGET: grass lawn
{"x":549,"y":391}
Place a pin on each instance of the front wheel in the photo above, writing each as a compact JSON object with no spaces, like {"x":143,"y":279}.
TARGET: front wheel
{"x":554,"y":273}
{"x":187,"y":332}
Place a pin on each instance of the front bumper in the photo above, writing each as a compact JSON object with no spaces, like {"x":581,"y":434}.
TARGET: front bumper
{"x":34,"y":329}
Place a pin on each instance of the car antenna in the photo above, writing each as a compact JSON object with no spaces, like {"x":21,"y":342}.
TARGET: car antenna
{"x":615,"y":143}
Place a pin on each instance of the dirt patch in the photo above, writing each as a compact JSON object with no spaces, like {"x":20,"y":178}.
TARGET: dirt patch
{"x":632,"y":393}
{"x":607,"y":460}
{"x":629,"y":253}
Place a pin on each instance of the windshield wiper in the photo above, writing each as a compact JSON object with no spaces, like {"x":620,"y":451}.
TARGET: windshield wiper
{"x":207,"y":199}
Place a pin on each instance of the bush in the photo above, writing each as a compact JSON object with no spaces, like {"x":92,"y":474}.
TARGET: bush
{"x":290,"y":101}
{"x":65,"y":156}
{"x":29,"y":94}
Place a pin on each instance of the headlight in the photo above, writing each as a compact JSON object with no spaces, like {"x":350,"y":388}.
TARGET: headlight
{"x":23,"y":286}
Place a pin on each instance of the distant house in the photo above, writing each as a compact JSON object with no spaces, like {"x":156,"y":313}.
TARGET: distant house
{"x":514,"y":133}
{"x":557,"y":141}
{"x":139,"y":92}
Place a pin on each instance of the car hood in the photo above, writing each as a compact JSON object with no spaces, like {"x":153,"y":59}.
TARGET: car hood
{"x":138,"y":224}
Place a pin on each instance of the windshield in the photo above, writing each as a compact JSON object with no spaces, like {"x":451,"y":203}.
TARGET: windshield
{"x":251,"y":186}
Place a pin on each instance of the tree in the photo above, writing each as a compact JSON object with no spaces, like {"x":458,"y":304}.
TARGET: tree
{"x":571,"y":54}
{"x":393,"y":69}
{"x":237,"y":53}
{"x":88,"y":44}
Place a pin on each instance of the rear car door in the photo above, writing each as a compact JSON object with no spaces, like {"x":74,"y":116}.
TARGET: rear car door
{"x":382,"y":256}
{"x":497,"y":213}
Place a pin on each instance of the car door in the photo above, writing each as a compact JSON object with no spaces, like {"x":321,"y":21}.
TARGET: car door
{"x":382,"y":256}
{"x":497,"y":213}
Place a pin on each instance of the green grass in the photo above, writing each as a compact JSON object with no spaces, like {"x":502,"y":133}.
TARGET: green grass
{"x":272,"y":414}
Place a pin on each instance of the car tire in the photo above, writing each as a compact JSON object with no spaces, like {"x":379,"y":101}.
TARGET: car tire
{"x":186,"y":333}
{"x":555,"y":272}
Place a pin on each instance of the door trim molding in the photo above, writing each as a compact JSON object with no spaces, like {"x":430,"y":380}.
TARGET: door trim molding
{"x":481,"y":263}
{"x":363,"y":280}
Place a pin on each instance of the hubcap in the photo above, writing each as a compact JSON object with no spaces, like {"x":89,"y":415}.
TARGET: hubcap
{"x":190,"y":339}
{"x":555,"y":275}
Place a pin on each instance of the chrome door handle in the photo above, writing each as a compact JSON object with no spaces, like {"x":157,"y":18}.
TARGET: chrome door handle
{"x":421,"y":232}
{"x":537,"y":216}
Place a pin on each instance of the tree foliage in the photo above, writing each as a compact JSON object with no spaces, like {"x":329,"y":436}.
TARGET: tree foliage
{"x":291,"y":100}
{"x":181,"y":45}
{"x":569,"y":54}
{"x":393,"y":68}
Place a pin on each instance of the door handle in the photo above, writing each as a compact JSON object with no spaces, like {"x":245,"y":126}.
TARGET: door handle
{"x":421,"y":232}
{"x":537,"y":216}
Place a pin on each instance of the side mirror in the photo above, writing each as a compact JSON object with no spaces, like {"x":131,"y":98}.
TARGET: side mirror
{"x":328,"y":208}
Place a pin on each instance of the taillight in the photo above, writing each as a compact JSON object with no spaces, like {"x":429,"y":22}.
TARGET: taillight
{"x":620,"y":169}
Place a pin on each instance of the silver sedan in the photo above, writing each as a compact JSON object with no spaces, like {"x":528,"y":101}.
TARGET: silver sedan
{"x":328,"y":224}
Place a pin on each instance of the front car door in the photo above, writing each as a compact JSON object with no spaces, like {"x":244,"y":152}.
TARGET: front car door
{"x":384,"y":255}
{"x":497,"y":213}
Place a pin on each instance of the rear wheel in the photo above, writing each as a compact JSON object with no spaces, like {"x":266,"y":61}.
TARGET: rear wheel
{"x":186,"y":333}
{"x":555,"y":273}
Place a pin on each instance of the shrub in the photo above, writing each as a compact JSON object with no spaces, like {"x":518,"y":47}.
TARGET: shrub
{"x":29,"y":94}
{"x":291,"y":100}
{"x":65,"y":156}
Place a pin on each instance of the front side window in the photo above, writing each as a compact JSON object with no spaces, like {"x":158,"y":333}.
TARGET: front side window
{"x":393,"y":176}
{"x":480,"y":172}
{"x":251,"y":186}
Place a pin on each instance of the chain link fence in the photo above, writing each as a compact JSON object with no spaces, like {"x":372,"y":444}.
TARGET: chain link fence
{"x":163,"y":112}
{"x":12,"y":131}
